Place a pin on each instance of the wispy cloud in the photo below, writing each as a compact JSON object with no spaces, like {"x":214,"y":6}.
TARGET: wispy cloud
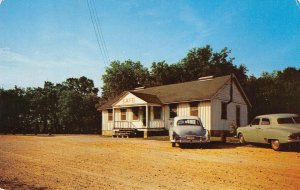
{"x":8,"y":56}
{"x":12,"y":59}
{"x":189,"y":16}
{"x":26,"y":70}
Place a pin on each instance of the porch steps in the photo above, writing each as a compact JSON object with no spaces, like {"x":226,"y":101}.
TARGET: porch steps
{"x":124,"y":133}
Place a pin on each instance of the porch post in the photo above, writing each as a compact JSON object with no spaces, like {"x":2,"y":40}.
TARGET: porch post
{"x":163,"y":116}
{"x":113,"y":118}
{"x":147,"y":117}
{"x":146,"y":130}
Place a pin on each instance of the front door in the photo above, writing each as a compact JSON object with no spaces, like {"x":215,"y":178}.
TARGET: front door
{"x":251,"y":134}
{"x":238,"y":116}
{"x":264,"y":128}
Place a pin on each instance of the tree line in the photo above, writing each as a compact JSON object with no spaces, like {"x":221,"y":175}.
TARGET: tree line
{"x":71,"y":106}
{"x":274,"y":92}
{"x":67,"y":107}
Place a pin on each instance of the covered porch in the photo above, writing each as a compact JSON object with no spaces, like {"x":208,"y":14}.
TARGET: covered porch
{"x":141,"y":117}
{"x":135,"y":111}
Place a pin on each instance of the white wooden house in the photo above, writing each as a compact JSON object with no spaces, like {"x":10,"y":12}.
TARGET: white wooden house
{"x":219,"y":102}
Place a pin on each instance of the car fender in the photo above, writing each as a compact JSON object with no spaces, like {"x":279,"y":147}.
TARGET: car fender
{"x":279,"y":134}
{"x":243,"y":130}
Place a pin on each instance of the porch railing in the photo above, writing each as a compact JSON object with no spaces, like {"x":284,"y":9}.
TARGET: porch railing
{"x":129,"y":124}
{"x":123,"y":124}
{"x":157,"y":124}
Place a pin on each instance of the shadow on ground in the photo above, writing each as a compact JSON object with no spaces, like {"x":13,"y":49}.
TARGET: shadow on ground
{"x":230,"y":145}
{"x":287,"y":148}
{"x":210,"y":145}
{"x":15,"y":184}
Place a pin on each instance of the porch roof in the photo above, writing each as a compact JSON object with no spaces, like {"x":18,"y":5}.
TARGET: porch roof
{"x":150,"y":98}
{"x":180,"y":92}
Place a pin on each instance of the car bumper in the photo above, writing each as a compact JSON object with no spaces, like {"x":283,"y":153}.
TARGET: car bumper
{"x":294,"y":141}
{"x":190,"y":141}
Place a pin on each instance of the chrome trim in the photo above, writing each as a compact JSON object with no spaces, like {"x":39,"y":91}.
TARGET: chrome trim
{"x":294,"y":140}
{"x":198,"y":139}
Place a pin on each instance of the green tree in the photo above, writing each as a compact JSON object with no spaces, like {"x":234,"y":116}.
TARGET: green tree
{"x":276,"y":92}
{"x":288,"y":85}
{"x":12,"y":110}
{"x":161,"y":73}
{"x":76,"y":106}
{"x":123,"y":76}
{"x":70,"y":111}
{"x":198,"y":62}
{"x":82,"y":85}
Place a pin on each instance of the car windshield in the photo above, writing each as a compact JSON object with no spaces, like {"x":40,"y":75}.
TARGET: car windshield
{"x":297,"y":119}
{"x":188,"y":122}
{"x":286,"y":120}
{"x":255,"y":121}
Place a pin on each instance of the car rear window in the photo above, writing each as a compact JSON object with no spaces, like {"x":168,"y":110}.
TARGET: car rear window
{"x":297,"y":119}
{"x":286,"y":120}
{"x":188,"y":122}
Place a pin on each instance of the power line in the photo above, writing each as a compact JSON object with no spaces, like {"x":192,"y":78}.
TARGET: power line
{"x":98,"y":32}
{"x":95,"y":30}
{"x":98,"y":24}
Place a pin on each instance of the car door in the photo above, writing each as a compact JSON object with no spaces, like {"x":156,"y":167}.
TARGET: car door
{"x":251,"y":133}
{"x":263,"y":130}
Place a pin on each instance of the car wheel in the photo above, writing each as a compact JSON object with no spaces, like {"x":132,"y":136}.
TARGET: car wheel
{"x":173,"y":144}
{"x":241,"y":139}
{"x":275,"y":144}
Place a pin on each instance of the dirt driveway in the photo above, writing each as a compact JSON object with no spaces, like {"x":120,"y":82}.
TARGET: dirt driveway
{"x":94,"y":162}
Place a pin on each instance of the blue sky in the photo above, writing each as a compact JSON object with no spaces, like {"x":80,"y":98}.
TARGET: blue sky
{"x":53,"y":40}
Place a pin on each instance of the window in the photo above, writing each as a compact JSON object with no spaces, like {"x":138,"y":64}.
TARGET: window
{"x":123,"y":114}
{"x":135,"y":113}
{"x":297,"y":119}
{"x":110,"y":115}
{"x":287,"y":120}
{"x":238,"y":116}
{"x":194,"y":109}
{"x":224,"y":110}
{"x":255,"y":121}
{"x":265,"y":121}
{"x":157,"y":112}
{"x":173,"y":110}
{"x":188,"y":122}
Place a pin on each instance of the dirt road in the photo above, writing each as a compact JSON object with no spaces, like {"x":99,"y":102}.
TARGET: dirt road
{"x":94,"y":162}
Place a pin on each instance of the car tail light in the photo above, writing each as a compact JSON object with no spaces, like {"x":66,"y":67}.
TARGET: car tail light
{"x":293,"y":136}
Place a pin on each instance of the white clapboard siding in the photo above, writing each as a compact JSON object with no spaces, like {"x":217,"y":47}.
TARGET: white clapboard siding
{"x":183,"y":109}
{"x":204,"y":111}
{"x":166,"y":116}
{"x":223,"y":95}
{"x":106,"y":125}
{"x":224,"y":124}
{"x":104,"y":120}
{"x":244,"y":115}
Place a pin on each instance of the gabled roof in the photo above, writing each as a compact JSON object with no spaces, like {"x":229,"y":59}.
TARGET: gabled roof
{"x":150,"y":98}
{"x":187,"y":91}
{"x":109,"y":103}
{"x":181,"y":92}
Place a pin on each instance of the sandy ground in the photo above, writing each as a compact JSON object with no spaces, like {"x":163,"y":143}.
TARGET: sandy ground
{"x":95,"y":162}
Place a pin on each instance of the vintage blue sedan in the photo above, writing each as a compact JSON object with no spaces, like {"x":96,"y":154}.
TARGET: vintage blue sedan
{"x":187,"y":130}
